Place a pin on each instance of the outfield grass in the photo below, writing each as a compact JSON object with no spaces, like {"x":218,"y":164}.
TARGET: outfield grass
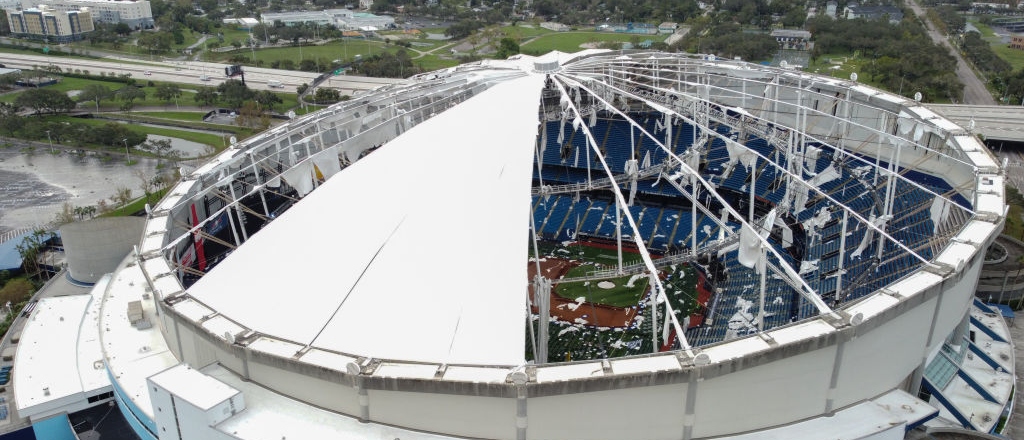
{"x":573,"y":41}
{"x":621,"y":295}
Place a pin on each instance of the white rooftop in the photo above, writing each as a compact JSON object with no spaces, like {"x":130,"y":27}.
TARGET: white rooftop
{"x":272,"y":416}
{"x":883,"y":417}
{"x":132,"y":354}
{"x":193,"y":387}
{"x":349,"y":287}
{"x":59,"y":360}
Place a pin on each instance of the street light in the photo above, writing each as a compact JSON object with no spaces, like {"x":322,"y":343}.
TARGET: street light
{"x":127,"y":155}
{"x":50,"y":140}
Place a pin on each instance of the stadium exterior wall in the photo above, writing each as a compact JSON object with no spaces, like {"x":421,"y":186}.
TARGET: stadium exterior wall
{"x":818,"y":375}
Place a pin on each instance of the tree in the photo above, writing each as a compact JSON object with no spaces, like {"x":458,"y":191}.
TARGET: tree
{"x":45,"y":101}
{"x":66,"y":215}
{"x":95,"y":93}
{"x":205,"y":96}
{"x":307,"y":65}
{"x":167,"y":92}
{"x":31,"y":248}
{"x":266,"y":99}
{"x":326,"y":95}
{"x":250,"y":116}
{"x":233,"y":93}
{"x":146,"y":183}
{"x":462,"y":29}
{"x":155,"y":41}
{"x":128,"y":95}
{"x":122,"y":28}
{"x":16,"y":291}
{"x":506,"y":48}
{"x":9,"y":80}
{"x":10,"y":120}
{"x":122,"y":195}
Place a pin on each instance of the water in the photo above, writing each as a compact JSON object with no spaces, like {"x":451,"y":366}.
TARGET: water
{"x":34,"y":187}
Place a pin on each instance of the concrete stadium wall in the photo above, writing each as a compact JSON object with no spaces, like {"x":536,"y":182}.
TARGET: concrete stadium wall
{"x":732,"y":396}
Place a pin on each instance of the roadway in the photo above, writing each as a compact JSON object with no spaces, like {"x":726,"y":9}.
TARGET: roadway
{"x":975,"y":91}
{"x":994,"y":122}
{"x":191,"y":72}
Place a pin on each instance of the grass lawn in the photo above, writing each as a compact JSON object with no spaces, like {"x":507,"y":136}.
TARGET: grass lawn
{"x":434,"y":62}
{"x":289,"y":100}
{"x":230,"y":34}
{"x":1013,"y":56}
{"x":190,"y":38}
{"x":520,"y":32}
{"x":572,"y":41}
{"x":178,"y":116}
{"x":213,"y":140}
{"x":620,"y":295}
{"x":69,"y":84}
{"x":136,"y":205}
{"x":346,"y":49}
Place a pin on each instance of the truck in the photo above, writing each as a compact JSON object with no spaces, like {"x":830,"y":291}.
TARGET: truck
{"x":275,"y":84}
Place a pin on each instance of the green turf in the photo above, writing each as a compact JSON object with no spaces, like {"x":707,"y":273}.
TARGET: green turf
{"x":573,"y":41}
{"x":621,"y":295}
{"x":582,"y":342}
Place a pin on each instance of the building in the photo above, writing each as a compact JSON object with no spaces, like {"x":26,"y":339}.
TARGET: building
{"x":871,"y":12}
{"x":1017,"y":42}
{"x":340,"y":18}
{"x":45,"y":23}
{"x":792,"y":39}
{"x":245,"y":24}
{"x":554,"y":26}
{"x":830,"y":8}
{"x":135,"y":13}
{"x":774,"y":257}
{"x":668,"y":27}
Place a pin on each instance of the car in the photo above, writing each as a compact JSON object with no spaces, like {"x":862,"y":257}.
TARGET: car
{"x":147,"y":73}
{"x":204,"y":78}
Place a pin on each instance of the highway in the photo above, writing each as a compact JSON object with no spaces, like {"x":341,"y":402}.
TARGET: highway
{"x":975,"y":91}
{"x":191,"y":72}
{"x":995,"y":122}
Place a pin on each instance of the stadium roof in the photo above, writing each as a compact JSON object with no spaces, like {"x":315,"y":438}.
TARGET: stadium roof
{"x":372,"y":263}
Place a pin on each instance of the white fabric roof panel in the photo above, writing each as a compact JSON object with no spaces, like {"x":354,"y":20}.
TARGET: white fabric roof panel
{"x":375,"y":262}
